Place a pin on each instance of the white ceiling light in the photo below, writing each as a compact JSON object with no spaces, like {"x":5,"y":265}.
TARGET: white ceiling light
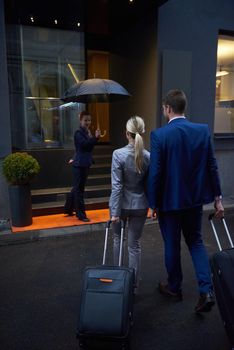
{"x":221,"y":73}
{"x":225,"y":51}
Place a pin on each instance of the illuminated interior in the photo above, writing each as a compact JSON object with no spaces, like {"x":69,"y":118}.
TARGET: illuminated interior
{"x":224,"y":109}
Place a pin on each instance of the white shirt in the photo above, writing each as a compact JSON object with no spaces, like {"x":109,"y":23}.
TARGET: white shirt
{"x":179,"y":117}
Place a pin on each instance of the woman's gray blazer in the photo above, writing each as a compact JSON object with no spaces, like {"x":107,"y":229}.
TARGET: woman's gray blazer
{"x":128,"y":186}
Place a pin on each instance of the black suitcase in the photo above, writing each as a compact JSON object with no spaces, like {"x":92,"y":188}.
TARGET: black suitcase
{"x":106,"y":305}
{"x":222,"y":267}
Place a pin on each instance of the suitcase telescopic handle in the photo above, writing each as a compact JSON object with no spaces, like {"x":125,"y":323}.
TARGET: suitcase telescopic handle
{"x":108,"y":225}
{"x":211,"y":216}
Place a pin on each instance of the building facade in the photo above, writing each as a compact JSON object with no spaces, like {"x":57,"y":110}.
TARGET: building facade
{"x":149,"y":47}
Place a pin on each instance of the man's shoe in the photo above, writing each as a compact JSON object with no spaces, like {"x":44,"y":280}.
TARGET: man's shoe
{"x":164,"y":290}
{"x":205,"y":302}
{"x":84,"y":219}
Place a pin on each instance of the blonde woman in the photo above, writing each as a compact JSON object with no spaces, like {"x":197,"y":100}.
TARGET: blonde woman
{"x":128,"y":195}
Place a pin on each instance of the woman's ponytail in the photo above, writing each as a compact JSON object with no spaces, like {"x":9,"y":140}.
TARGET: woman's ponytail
{"x":136,"y":126}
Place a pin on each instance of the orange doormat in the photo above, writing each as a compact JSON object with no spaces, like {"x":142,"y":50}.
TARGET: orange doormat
{"x":61,"y":220}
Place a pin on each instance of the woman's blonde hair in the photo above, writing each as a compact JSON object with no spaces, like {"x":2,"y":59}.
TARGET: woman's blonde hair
{"x":136,"y":127}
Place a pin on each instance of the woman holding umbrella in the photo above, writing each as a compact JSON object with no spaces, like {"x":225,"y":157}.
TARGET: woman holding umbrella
{"x":84,"y":144}
{"x":128,"y":196}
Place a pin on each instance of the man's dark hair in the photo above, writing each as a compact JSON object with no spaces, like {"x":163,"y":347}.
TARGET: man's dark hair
{"x":82,"y":114}
{"x":176,"y":99}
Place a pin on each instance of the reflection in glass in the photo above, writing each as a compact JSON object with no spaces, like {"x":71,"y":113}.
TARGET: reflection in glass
{"x":224,"y":107}
{"x":48,"y":62}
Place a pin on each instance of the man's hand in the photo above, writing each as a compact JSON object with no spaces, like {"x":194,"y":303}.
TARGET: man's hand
{"x":153,"y":214}
{"x":219,"y":209}
{"x":70,"y":161}
{"x":115,"y":219}
{"x":97,"y":133}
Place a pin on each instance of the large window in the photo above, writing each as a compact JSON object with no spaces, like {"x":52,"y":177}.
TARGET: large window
{"x":224,"y":109}
{"x":43,"y":63}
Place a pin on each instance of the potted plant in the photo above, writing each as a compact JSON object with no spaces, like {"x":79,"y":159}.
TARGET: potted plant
{"x":19,"y":169}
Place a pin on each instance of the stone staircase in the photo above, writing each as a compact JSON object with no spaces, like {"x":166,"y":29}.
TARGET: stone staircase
{"x":48,"y":201}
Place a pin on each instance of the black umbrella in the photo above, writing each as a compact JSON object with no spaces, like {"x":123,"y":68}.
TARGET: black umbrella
{"x":95,"y":90}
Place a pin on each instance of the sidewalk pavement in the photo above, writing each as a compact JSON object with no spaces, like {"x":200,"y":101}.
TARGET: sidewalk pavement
{"x":41,"y":283}
{"x":8,"y":237}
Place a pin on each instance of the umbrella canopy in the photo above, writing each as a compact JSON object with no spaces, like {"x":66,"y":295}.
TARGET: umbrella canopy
{"x":95,"y":90}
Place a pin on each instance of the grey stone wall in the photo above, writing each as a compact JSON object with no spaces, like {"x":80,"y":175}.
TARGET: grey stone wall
{"x":225,"y":159}
{"x":133,"y":63}
{"x":5,"y":133}
{"x":4,"y":197}
{"x":190,"y":29}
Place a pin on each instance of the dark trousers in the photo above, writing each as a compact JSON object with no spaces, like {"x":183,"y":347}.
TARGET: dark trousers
{"x":75,"y":199}
{"x":69,"y":203}
{"x":188,"y":222}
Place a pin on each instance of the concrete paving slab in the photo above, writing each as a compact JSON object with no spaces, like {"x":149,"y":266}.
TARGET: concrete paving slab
{"x":40,"y":293}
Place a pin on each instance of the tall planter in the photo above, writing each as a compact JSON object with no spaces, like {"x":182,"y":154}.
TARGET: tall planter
{"x":21,"y":205}
{"x":19,"y":169}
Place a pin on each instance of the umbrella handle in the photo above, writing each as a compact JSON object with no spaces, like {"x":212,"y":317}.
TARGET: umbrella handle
{"x":104,"y":134}
{"x":98,"y":124}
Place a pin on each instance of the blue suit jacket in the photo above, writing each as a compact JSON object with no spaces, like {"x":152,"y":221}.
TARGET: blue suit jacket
{"x":84,"y":145}
{"x":183,"y":170}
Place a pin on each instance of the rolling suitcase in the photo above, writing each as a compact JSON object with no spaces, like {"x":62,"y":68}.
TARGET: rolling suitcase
{"x":106,"y":305}
{"x":222,"y":267}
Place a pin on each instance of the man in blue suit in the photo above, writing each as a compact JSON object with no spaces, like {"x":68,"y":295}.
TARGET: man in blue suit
{"x":183,"y":176}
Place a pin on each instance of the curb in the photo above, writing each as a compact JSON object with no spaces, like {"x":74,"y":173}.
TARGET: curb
{"x":9,"y":238}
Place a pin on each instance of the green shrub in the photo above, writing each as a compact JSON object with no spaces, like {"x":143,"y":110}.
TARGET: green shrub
{"x":19,"y":168}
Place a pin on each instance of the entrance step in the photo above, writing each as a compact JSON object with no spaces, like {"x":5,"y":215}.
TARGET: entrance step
{"x":99,"y":179}
{"x":102,"y":158}
{"x":102,"y":149}
{"x":51,"y":200}
{"x":57,"y":207}
{"x":100,"y":168}
{"x":58,"y":194}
